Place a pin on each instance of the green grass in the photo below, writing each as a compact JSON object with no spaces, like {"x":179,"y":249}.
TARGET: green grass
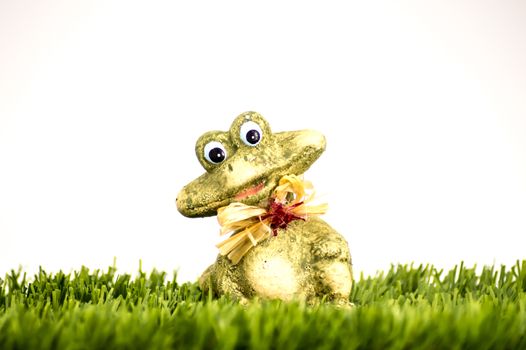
{"x":407,"y":307}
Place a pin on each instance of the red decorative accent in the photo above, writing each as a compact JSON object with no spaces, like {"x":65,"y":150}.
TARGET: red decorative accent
{"x":280,"y":215}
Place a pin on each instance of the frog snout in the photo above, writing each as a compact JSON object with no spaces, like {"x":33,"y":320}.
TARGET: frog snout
{"x":181,"y":202}
{"x":192,"y":202}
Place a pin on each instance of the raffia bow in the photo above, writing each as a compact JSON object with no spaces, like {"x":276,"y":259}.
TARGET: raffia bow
{"x":250,"y":225}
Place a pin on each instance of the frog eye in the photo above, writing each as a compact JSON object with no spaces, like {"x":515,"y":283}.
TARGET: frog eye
{"x":215,"y":152}
{"x":250,"y":133}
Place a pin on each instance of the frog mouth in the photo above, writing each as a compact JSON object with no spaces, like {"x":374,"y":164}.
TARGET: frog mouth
{"x":251,"y":191}
{"x":254,"y":194}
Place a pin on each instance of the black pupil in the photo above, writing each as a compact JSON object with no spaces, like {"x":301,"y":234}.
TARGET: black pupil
{"x":217,"y":155}
{"x":253,"y":137}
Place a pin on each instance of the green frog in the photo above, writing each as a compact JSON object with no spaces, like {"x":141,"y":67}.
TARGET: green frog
{"x":307,"y":259}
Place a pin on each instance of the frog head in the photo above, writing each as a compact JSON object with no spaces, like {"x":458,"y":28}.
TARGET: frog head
{"x":245,"y":164}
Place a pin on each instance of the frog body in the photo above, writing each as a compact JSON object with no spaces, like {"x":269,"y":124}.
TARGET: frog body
{"x":306,"y":260}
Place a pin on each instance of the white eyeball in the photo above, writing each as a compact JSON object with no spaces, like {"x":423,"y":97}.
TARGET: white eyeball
{"x":250,"y":133}
{"x":215,"y":152}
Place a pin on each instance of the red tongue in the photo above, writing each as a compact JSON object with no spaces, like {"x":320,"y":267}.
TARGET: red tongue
{"x":249,"y":192}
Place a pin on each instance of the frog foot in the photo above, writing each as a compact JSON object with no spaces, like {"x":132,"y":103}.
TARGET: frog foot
{"x":334,"y":280}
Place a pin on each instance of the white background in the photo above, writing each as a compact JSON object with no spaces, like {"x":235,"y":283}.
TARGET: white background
{"x":423,"y":107}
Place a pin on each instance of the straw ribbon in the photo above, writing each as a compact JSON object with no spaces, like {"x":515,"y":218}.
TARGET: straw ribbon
{"x":249,"y":225}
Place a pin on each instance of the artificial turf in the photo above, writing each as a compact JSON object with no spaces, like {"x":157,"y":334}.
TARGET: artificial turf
{"x":407,"y":307}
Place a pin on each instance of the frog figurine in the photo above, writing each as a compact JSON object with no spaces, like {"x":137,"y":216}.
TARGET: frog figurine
{"x":304,"y":259}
